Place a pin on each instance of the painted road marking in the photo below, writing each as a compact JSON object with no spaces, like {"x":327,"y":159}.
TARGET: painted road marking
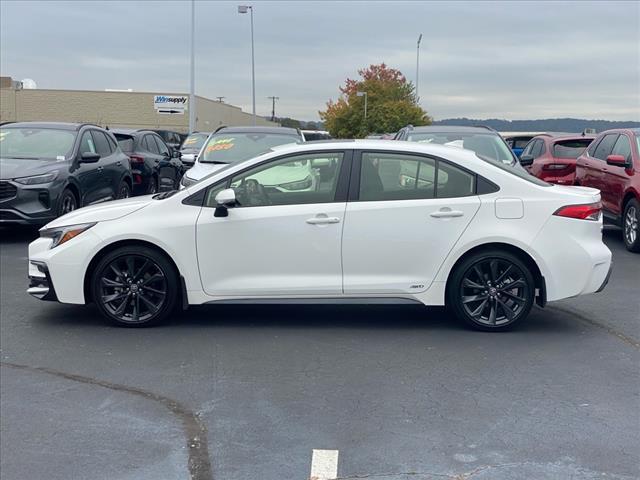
{"x":324,"y":465}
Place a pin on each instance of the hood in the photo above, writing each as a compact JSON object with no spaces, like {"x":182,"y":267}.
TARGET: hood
{"x":201,"y":170}
{"x":102,"y":212}
{"x":15,"y":167}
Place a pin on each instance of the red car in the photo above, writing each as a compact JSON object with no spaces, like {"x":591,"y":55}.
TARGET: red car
{"x":612,"y":165}
{"x":552,"y":157}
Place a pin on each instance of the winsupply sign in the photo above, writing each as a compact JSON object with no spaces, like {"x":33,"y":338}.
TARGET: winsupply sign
{"x":170,"y":104}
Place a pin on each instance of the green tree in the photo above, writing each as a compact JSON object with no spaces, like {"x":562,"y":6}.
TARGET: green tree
{"x":391,"y":105}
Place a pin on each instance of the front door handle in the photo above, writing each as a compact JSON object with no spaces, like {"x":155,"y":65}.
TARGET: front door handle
{"x":322,"y":220}
{"x":100,"y":169}
{"x":118,"y":163}
{"x":446,"y":213}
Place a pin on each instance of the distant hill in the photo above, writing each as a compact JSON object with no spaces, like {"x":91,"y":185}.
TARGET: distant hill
{"x":548,"y":125}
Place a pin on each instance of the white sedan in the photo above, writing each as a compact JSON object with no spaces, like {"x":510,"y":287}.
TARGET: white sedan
{"x":392,"y":222}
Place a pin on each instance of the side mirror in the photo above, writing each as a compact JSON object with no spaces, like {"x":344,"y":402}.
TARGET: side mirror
{"x":225,"y":200}
{"x":175,"y":153}
{"x":89,"y":157}
{"x":617,"y":161}
{"x":526,"y":160}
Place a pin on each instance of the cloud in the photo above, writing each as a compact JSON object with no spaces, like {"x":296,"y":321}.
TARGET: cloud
{"x":478,"y":59}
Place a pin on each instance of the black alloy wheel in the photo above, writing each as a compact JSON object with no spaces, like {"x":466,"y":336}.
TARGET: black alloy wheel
{"x":492,"y":291}
{"x":67,"y":202}
{"x":135,"y":286}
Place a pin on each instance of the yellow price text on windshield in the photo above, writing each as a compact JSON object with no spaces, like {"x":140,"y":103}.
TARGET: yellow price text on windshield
{"x":221,"y":144}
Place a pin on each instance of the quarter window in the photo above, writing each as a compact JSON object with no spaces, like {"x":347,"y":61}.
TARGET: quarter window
{"x":603,"y":150}
{"x":302,"y":179}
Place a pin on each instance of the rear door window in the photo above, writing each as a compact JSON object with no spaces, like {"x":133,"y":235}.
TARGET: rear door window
{"x":162,"y":147}
{"x":603,"y":150}
{"x":150,"y":145}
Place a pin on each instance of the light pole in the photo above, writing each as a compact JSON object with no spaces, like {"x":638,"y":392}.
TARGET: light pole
{"x":244,"y":9}
{"x":363,"y":94}
{"x":418,"y":66}
{"x":192,"y":88}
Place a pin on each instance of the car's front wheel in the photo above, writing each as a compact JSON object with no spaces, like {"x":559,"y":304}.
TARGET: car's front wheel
{"x":67,"y":202}
{"x":491,"y":290}
{"x":631,"y":226}
{"x":124,"y":191}
{"x":135,"y":286}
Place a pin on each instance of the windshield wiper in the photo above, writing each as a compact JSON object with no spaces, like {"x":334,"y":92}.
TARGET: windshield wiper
{"x":21,"y":158}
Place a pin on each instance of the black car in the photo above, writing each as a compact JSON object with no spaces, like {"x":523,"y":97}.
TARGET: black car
{"x":484,"y":141}
{"x":154,"y":165}
{"x":49,"y":169}
{"x":171,"y":138}
{"x":191,"y":147}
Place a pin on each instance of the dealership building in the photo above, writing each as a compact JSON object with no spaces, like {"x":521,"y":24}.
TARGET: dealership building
{"x":117,"y":109}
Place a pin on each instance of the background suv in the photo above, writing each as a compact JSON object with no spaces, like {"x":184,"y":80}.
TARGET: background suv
{"x":485,"y":141}
{"x":172,"y":139}
{"x":611,"y":164}
{"x":49,"y":169}
{"x":552,"y":158}
{"x":154,"y":166}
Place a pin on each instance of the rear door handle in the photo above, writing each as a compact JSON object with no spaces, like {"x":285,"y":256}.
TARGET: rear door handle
{"x":100,"y":169}
{"x":118,"y":163}
{"x":448,"y":213}
{"x":322,"y":220}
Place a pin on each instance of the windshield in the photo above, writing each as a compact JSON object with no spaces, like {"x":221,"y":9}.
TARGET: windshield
{"x":485,"y":145}
{"x":570,"y":148}
{"x":236,"y":147}
{"x":194,"y":141}
{"x":36,"y":143}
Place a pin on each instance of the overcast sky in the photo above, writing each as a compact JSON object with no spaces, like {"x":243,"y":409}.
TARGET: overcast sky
{"x":512,"y":59}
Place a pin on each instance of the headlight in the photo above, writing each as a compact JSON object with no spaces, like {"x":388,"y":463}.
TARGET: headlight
{"x":61,"y":235}
{"x":187,"y":181}
{"x":37,"y":179}
{"x":299,"y":185}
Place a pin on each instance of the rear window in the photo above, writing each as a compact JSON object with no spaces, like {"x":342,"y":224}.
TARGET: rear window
{"x":125,"y":142}
{"x":517,"y":170}
{"x":236,"y":147}
{"x":570,"y":148}
{"x":485,"y":145}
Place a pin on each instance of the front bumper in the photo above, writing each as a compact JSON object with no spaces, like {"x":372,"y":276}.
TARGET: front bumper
{"x":27,"y":204}
{"x":40,"y":284}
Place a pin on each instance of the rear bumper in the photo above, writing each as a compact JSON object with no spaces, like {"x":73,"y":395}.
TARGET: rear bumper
{"x":606,"y":279}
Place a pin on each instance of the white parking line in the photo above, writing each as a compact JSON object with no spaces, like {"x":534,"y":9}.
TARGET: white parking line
{"x":324,"y":465}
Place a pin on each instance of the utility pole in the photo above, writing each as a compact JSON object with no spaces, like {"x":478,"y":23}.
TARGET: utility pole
{"x":220,"y":99}
{"x":192,"y":88}
{"x":418,"y":67}
{"x":273,"y":107}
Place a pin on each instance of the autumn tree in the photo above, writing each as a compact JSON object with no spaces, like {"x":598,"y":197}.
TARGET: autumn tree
{"x":391,"y":105}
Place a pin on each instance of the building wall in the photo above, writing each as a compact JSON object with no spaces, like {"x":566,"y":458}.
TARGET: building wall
{"x":113,"y":109}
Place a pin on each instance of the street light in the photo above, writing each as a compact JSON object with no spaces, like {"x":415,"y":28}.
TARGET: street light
{"x":418,"y":66}
{"x":245,"y":9}
{"x":363,"y":94}
{"x":192,"y":86}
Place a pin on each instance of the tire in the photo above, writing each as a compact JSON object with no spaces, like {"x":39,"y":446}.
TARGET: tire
{"x":631,"y":226}
{"x":135,"y":287}
{"x":124,"y":190}
{"x":153,"y":185}
{"x":67,"y":202}
{"x":491,"y":290}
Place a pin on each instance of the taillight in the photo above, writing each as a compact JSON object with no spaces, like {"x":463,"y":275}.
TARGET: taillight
{"x":137,"y":159}
{"x":587,"y":211}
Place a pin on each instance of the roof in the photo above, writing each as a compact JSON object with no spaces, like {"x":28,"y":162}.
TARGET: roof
{"x":453,"y":129}
{"x":57,"y":125}
{"x":260,"y":129}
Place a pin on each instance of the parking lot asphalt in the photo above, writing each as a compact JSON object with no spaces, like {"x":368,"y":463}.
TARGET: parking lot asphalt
{"x":247,"y":392}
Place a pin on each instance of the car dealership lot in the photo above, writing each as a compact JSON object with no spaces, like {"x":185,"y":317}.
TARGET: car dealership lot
{"x":401,"y":392}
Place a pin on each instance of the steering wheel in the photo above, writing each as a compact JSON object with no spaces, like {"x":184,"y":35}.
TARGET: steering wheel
{"x":254,"y":193}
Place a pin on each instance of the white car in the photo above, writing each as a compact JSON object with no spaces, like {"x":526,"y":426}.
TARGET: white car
{"x":395,"y":222}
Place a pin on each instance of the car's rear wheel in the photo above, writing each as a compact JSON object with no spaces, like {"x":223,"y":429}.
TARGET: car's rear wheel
{"x":135,"y":286}
{"x":124,"y":190}
{"x":67,"y":202}
{"x":491,"y":290}
{"x":631,"y":226}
